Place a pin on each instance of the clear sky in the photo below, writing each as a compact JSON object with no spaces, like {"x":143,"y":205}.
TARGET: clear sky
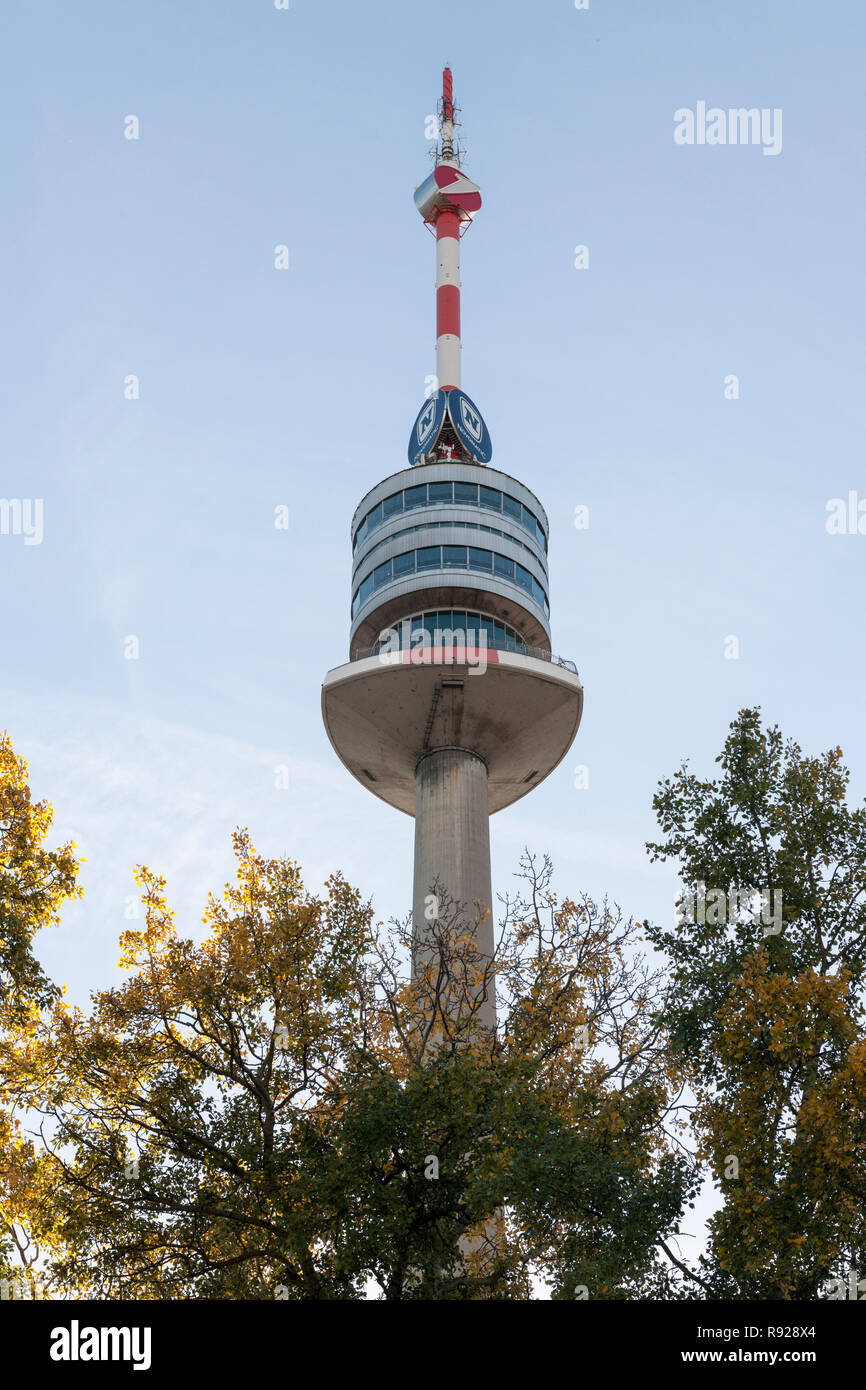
{"x":602,"y":387}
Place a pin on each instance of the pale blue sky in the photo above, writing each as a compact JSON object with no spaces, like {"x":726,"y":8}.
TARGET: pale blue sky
{"x":602,"y":387}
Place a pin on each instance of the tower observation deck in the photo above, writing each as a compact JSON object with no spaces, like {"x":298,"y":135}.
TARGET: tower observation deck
{"x":452,"y":705}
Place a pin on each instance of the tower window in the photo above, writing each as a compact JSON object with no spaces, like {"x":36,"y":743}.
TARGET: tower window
{"x":438,"y":494}
{"x":453,"y":628}
{"x":381,"y":574}
{"x":429,"y":558}
{"x":466,"y":492}
{"x":480,"y":559}
{"x":456,"y":557}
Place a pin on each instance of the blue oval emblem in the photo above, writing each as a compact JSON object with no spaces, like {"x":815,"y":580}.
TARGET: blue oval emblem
{"x":469,"y":425}
{"x":425,"y":430}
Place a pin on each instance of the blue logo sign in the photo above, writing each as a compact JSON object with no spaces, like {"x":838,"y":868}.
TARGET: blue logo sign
{"x":425,"y":430}
{"x":469,"y":425}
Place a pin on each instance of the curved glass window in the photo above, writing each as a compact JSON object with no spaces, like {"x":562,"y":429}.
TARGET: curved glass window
{"x":458,"y":525}
{"x":450,"y":628}
{"x":429,"y":558}
{"x":480,"y":559}
{"x":459,"y":557}
{"x":441,"y":494}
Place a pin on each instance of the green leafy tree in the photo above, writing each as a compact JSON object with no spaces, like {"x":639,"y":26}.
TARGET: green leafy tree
{"x":766,"y":1008}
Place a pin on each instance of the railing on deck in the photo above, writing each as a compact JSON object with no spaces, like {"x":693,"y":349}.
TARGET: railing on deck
{"x":540,"y":654}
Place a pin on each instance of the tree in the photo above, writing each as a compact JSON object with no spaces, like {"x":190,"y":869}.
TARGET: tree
{"x":280,"y":1111}
{"x":766,"y":1007}
{"x":35,"y":883}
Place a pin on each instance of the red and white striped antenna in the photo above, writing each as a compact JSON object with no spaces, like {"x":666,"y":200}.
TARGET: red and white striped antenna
{"x":447,"y":201}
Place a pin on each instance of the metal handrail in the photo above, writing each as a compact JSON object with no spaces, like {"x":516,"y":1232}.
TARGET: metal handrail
{"x":540,"y":654}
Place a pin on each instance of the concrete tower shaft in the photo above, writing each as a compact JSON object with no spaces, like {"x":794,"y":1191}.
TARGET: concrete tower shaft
{"x":452,"y":833}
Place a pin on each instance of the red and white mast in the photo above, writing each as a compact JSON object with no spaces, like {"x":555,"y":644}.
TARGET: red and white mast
{"x":447,"y":201}
{"x":447,"y":258}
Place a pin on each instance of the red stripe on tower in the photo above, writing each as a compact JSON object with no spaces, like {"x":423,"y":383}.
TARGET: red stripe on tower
{"x":448,"y":313}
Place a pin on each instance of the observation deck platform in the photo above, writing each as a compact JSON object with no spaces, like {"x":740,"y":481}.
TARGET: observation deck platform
{"x":385,"y":712}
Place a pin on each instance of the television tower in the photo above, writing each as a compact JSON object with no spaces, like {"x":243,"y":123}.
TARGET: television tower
{"x":451,"y":705}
